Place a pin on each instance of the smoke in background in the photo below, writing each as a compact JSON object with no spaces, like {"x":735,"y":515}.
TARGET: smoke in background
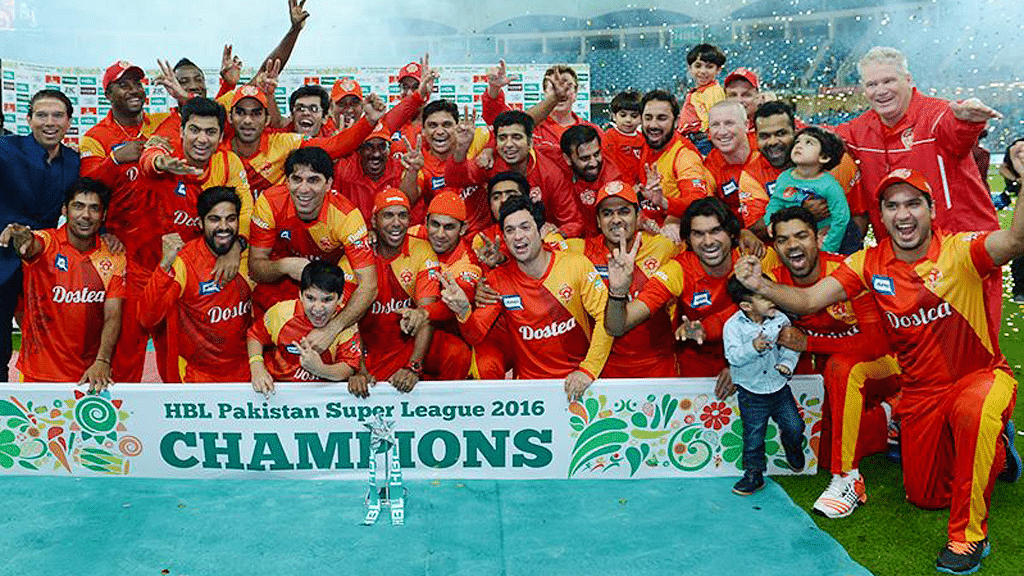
{"x":956,"y":48}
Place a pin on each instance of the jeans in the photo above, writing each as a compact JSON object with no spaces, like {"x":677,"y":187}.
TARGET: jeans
{"x":9,"y":293}
{"x":755,"y":409}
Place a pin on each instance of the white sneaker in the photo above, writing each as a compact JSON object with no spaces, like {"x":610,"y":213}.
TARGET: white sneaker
{"x":841,"y":497}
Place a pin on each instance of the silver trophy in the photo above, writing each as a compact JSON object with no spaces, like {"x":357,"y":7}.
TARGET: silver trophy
{"x":382,"y":444}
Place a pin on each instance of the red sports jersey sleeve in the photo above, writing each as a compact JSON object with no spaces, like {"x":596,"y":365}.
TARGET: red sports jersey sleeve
{"x":623,"y":150}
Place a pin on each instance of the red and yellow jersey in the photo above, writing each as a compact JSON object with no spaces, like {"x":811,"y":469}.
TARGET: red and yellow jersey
{"x":547,"y":134}
{"x":461,"y":263}
{"x":624,"y":150}
{"x":694,"y":114}
{"x":206,"y":322}
{"x":852,"y":325}
{"x":585,"y":194}
{"x":107,"y":135}
{"x":555,"y":324}
{"x":683,"y":176}
{"x":934,"y":308}
{"x":177,"y":195}
{"x":552,"y":240}
{"x":282,"y":328}
{"x":64,"y":294}
{"x":648,"y":348}
{"x":338,"y":230}
{"x":402,"y":281}
{"x":430,"y":181}
{"x":352,"y":183}
{"x":746,"y":198}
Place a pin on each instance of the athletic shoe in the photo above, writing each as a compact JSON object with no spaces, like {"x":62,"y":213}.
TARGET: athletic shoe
{"x":962,"y":557}
{"x":893,"y":441}
{"x":841,"y":497}
{"x":751,"y":482}
{"x":796,"y":460}
{"x":1012,"y":468}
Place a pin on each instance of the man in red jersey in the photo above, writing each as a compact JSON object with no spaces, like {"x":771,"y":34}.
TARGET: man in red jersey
{"x":401,"y":343}
{"x":581,"y":149}
{"x":310,"y":106}
{"x":207,"y":320}
{"x":278,"y":342}
{"x":846,"y":343}
{"x":697,"y":278}
{"x":676,"y":161}
{"x":648,"y":348}
{"x":305,"y":221}
{"x":369,"y":171}
{"x":958,"y":391}
{"x":731,"y":155}
{"x":549,"y":183}
{"x":346,"y":102}
{"x":426,"y":161}
{"x":73,"y":289}
{"x":551,"y":309}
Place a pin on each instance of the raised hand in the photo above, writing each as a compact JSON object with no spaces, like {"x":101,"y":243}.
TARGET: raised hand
{"x":297,"y":14}
{"x":373,"y":109}
{"x":748,"y":271}
{"x":465,"y":130}
{"x":427,"y":77}
{"x":172,"y":165}
{"x":169,"y":81}
{"x":973,"y":110}
{"x":485,"y":159}
{"x":309,"y":358}
{"x":413,"y":160}
{"x":490,"y":253}
{"x":620,"y":267}
{"x":171,"y":244}
{"x":751,"y":244}
{"x":17,"y":236}
{"x":230,"y":67}
{"x":266,"y":79}
{"x":453,"y":296}
{"x":651,"y":189}
{"x":497,"y":78}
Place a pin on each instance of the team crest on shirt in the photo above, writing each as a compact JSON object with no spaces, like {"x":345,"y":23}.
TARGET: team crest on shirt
{"x":883,"y":285}
{"x":651,"y":264}
{"x":207,"y":288}
{"x":933,"y":279}
{"x":406,"y":276}
{"x":61,"y":263}
{"x":700,"y":299}
{"x":789,"y":192}
{"x":588,"y":197}
{"x":325,"y":243}
{"x":535,"y":194}
{"x":907,"y":137}
{"x":105,"y":265}
{"x":698,"y":184}
{"x":285,"y":235}
{"x":565,"y":292}
{"x":180,"y":189}
{"x":843,"y":312}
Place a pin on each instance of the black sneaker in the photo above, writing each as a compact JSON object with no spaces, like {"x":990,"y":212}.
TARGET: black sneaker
{"x":795,"y":459}
{"x":1011,"y":470}
{"x":751,"y":482}
{"x":962,"y":557}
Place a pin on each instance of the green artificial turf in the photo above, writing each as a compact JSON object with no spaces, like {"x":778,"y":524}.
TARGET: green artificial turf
{"x":888,"y":536}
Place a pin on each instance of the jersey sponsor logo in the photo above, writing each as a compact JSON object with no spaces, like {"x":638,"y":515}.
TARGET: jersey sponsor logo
{"x":240,"y":310}
{"x":285,"y":235}
{"x":61,"y":263}
{"x":392,"y":307}
{"x":700,"y":299}
{"x":182,"y":218}
{"x":550,"y":331}
{"x":259,"y":222}
{"x":602,"y":271}
{"x":62,"y":295}
{"x":920,"y":318}
{"x":588,"y":197}
{"x":468,"y":191}
{"x":180,"y":189}
{"x":513,"y":302}
{"x":437,"y":182}
{"x":883,"y":285}
{"x":132,"y":173}
{"x":207,"y":288}
{"x":358,"y":238}
{"x":729,"y":188}
{"x":302,"y":375}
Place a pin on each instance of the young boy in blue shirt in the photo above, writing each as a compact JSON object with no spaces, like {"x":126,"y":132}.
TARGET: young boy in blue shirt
{"x":761,"y":371}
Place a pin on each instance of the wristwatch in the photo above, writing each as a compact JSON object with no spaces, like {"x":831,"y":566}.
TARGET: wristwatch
{"x":416,"y":366}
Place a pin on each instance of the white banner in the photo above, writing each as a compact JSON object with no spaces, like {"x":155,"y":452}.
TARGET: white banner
{"x":644,"y":428}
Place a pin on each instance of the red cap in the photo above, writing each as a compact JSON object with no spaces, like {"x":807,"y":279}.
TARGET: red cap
{"x":619,"y":189}
{"x":119,"y":69}
{"x":742,"y":73}
{"x":412,"y":69}
{"x":249,"y":91}
{"x":448,"y":203}
{"x":379,"y":131}
{"x":906,"y":176}
{"x":389,"y":197}
{"x":346,"y":87}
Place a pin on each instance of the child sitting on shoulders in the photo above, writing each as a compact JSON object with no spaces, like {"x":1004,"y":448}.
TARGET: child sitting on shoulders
{"x":761,"y":370}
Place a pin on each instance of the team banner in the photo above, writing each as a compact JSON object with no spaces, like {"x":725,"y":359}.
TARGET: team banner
{"x":644,"y":428}
{"x":462,"y":84}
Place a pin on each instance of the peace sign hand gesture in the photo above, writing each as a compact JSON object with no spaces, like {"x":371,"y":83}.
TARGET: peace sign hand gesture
{"x":620,"y":266}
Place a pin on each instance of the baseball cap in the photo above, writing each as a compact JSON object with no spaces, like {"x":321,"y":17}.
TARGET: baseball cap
{"x":744,"y":74}
{"x":119,"y":69}
{"x":448,"y":203}
{"x":619,"y":189}
{"x":346,"y":87}
{"x":906,"y":176}
{"x":411,"y":69}
{"x":389,"y":197}
{"x":249,"y":91}
{"x":379,"y":131}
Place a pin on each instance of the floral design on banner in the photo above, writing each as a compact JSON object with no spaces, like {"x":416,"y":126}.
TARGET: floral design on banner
{"x":687,"y":434}
{"x":84,"y":432}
